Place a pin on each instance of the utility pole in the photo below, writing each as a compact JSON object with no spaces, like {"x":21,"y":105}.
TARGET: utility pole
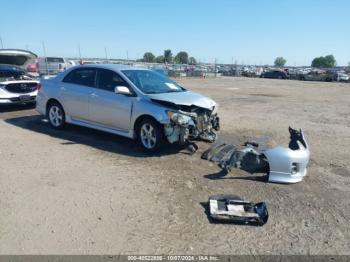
{"x":44,"y":49}
{"x":215,"y":66}
{"x":236,"y":71}
{"x":127,"y":55}
{"x":79,"y":51}
{"x":2,"y":44}
{"x":106,"y":53}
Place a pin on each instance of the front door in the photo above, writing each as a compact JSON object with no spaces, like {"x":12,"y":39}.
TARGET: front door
{"x":106,"y":108}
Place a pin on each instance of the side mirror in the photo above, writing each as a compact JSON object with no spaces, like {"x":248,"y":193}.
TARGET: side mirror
{"x":122,"y":90}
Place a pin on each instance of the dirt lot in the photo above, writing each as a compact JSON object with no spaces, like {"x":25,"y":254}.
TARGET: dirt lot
{"x":80,"y":191}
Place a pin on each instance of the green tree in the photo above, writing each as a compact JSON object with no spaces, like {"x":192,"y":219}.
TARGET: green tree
{"x":327,"y":61}
{"x":181,"y":57}
{"x":192,"y":61}
{"x":168,"y":56}
{"x":280,"y":61}
{"x":160,"y":59}
{"x":149,"y":57}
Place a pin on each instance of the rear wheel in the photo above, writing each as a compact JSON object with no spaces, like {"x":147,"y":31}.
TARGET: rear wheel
{"x":56,"y":115}
{"x":150,"y":135}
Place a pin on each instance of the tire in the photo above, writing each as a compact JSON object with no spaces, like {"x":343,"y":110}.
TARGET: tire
{"x":150,"y":135}
{"x":56,"y":115}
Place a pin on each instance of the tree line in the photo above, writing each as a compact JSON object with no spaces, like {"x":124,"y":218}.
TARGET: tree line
{"x":181,"y":57}
{"x":327,"y":61}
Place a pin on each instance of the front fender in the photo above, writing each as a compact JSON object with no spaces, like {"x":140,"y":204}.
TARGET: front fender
{"x":146,"y":107}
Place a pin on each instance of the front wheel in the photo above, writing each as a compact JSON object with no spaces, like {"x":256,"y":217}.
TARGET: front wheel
{"x":150,"y":135}
{"x":56,"y":115}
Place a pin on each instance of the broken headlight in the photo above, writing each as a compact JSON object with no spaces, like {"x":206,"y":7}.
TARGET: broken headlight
{"x":179,"y":119}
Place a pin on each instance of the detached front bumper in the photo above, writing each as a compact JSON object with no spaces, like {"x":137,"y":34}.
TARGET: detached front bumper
{"x":286,"y":165}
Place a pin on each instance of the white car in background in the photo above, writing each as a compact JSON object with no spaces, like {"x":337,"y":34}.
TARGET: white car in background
{"x":16,"y":85}
{"x":341,"y":76}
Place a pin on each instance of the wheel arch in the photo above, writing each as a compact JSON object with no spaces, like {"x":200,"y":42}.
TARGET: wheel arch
{"x":50,"y":102}
{"x":139,"y":119}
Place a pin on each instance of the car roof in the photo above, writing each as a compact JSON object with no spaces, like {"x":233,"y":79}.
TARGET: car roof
{"x":115,"y":67}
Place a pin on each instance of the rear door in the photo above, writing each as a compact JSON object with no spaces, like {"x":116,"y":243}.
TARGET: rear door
{"x":75,"y":90}
{"x":106,"y":108}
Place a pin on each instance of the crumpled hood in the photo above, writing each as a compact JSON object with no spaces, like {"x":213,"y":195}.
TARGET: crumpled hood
{"x":16,"y":57}
{"x":186,"y":98}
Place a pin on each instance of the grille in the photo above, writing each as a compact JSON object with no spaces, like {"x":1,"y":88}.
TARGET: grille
{"x":21,"y":88}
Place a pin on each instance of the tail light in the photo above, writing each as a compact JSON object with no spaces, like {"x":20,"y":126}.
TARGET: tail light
{"x":38,"y":86}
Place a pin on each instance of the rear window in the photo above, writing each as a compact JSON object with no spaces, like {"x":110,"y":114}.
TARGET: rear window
{"x":54,"y":60}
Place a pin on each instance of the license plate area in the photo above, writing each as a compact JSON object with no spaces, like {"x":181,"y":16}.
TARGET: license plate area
{"x":24,"y":98}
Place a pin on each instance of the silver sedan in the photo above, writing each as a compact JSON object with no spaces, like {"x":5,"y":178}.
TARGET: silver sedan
{"x":133,"y":102}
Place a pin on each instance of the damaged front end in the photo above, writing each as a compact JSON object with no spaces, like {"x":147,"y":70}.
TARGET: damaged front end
{"x":190,"y":123}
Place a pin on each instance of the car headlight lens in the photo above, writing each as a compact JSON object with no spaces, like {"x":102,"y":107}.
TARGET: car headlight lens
{"x":178,"y":118}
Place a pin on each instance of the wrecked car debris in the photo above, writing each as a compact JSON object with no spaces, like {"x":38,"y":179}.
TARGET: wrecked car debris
{"x":190,"y":122}
{"x":283,"y":165}
{"x":232,"y":208}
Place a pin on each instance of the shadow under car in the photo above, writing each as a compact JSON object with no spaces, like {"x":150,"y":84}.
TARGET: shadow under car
{"x":73,"y":134}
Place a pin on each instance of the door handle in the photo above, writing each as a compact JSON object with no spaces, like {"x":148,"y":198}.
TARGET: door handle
{"x":63,"y":88}
{"x":93,"y":95}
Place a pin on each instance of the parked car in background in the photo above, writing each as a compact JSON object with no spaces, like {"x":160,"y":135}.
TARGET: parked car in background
{"x":341,"y":77}
{"x":16,"y":85}
{"x":52,"y":65}
{"x":317,"y":75}
{"x":133,"y":102}
{"x":274,"y":74}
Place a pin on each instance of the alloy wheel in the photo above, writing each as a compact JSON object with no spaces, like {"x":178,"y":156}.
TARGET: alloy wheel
{"x":148,"y":136}
{"x":55,"y":116}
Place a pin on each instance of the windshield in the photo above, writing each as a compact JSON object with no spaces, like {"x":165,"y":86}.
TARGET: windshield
{"x":54,"y":60}
{"x":150,"y":82}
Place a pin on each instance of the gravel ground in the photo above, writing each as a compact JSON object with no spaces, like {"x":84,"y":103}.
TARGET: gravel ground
{"x":80,"y":191}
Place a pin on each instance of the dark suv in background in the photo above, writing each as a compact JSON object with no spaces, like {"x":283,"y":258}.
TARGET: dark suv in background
{"x":275,"y":74}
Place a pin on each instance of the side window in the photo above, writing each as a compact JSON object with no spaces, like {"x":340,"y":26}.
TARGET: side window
{"x":83,"y":76}
{"x":108,"y":80}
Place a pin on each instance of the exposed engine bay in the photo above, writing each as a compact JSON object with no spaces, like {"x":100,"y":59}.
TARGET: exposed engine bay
{"x":190,"y":123}
{"x":283,"y":165}
{"x":12,"y":73}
